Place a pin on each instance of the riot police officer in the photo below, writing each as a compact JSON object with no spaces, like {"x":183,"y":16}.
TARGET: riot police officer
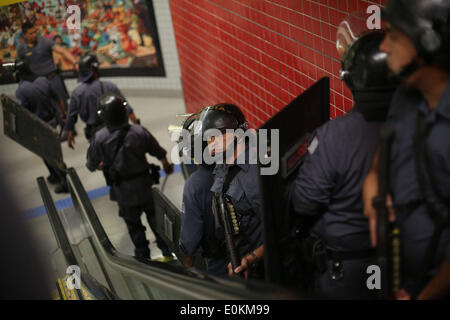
{"x":197,"y":235}
{"x":327,"y":191}
{"x":84,"y":99}
{"x":418,"y":49}
{"x":37,"y":51}
{"x":36,"y":94}
{"x":235,"y":179}
{"x":119,"y":150}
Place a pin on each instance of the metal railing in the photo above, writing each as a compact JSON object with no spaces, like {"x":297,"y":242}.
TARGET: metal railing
{"x":129,"y":278}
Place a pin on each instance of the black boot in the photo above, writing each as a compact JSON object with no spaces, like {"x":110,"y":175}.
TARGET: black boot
{"x":62,"y":188}
{"x":53,"y":179}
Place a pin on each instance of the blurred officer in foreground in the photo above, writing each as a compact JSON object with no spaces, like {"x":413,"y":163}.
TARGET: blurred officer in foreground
{"x":84,"y":99}
{"x":235,"y":177}
{"x":24,"y":273}
{"x":197,"y":235}
{"x":38,"y":52}
{"x":36,"y":94}
{"x":327,"y":192}
{"x":418,"y":48}
{"x":119,"y":150}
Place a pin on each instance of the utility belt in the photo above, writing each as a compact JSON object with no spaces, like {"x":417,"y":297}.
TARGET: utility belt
{"x":113,"y":177}
{"x":51,"y":75}
{"x":317,"y":255}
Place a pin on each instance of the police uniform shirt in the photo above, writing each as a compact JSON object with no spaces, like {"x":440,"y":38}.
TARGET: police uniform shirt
{"x":330,"y":181}
{"x":130,"y":161}
{"x":197,"y":225}
{"x":84,"y":102}
{"x":38,"y":97}
{"x":416,"y":226}
{"x":39,"y":56}
{"x":245,"y":196}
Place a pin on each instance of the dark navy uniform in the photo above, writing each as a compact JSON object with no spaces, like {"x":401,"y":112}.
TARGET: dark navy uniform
{"x":413,"y":215}
{"x":40,"y":59}
{"x":134,"y":193}
{"x":328,"y":189}
{"x":197,"y":222}
{"x":83,"y":102}
{"x":245,"y":196}
{"x":38,"y":97}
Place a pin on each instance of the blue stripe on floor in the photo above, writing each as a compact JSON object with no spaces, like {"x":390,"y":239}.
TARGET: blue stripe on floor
{"x":93,"y":194}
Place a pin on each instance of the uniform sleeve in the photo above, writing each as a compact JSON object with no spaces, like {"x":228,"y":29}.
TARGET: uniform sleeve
{"x":152,"y":146}
{"x":72,"y":114}
{"x":191,"y":232}
{"x":93,"y":157}
{"x":311,"y":190}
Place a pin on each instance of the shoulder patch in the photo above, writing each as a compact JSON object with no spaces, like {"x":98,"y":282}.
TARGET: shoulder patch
{"x":313,"y":145}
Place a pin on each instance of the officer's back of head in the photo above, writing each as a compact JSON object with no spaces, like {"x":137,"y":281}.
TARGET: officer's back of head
{"x":112,"y":108}
{"x":364,"y":66}
{"x":88,"y":68}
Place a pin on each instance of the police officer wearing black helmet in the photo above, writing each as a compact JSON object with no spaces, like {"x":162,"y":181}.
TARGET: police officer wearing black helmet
{"x":119,"y":150}
{"x":326,"y":195}
{"x":235,"y":176}
{"x":197,"y":237}
{"x":417,"y":45}
{"x":84,"y":99}
{"x":37,"y":95}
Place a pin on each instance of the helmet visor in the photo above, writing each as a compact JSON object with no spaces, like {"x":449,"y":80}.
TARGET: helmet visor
{"x":350,"y":30}
{"x":180,"y":122}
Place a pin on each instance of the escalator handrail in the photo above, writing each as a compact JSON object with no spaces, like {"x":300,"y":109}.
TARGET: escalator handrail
{"x":99,"y":291}
{"x":168,"y":274}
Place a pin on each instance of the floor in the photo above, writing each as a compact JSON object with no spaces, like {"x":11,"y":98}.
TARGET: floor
{"x":155,"y":111}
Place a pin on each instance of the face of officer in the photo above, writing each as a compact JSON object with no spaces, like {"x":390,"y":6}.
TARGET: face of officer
{"x":31,"y":35}
{"x":219,"y":144}
{"x":399,"y":49}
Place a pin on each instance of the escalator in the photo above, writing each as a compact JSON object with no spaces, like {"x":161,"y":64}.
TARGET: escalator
{"x":106,"y":274}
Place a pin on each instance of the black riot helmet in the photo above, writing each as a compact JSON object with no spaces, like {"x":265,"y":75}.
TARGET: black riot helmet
{"x":364,"y":66}
{"x":222,"y":116}
{"x":112,"y":109}
{"x":87,"y":65}
{"x":427,"y":24}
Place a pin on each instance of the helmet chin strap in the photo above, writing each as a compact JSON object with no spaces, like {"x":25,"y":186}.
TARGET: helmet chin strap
{"x":407,"y":70}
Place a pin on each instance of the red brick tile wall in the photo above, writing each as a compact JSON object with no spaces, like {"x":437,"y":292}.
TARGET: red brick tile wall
{"x":259,"y":54}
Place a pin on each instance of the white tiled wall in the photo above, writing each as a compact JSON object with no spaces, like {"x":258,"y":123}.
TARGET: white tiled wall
{"x":169,"y":51}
